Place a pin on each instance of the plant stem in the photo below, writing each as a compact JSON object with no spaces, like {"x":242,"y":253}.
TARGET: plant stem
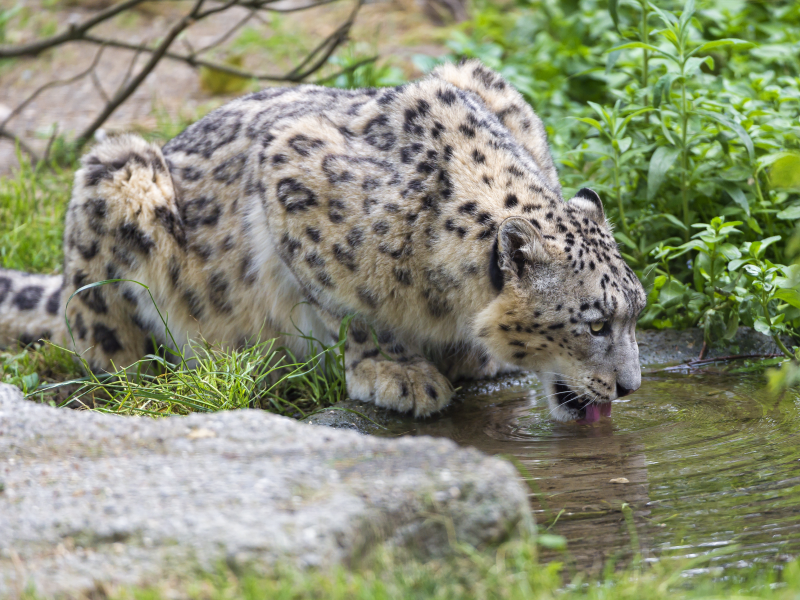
{"x":782,"y":347}
{"x":775,"y":337}
{"x":619,"y":192}
{"x":646,"y":39}
{"x":684,"y":152}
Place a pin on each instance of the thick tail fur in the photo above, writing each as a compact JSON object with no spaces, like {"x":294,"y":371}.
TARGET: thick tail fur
{"x":30,"y":308}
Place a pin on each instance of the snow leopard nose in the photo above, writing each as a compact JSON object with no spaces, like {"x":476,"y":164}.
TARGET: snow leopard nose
{"x":622,"y":391}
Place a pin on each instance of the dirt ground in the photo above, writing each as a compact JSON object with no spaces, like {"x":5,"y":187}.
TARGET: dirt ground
{"x":395,"y":29}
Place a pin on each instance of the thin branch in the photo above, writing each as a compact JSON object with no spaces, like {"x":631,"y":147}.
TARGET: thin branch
{"x":212,"y":11}
{"x":697,"y":362}
{"x":225,"y":35}
{"x":50,"y":142}
{"x":335,"y":40}
{"x":311,"y":63}
{"x":74,"y":32}
{"x":332,"y":42}
{"x":347,"y":70}
{"x":131,"y":65}
{"x":285,"y":10}
{"x":98,"y":86}
{"x":125,"y":92}
{"x":22,"y":145}
{"x":20,"y":107}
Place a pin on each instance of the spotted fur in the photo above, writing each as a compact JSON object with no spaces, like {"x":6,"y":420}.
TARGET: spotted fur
{"x":431,"y":211}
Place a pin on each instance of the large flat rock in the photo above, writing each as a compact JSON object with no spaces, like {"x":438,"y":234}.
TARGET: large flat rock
{"x":88,"y":499}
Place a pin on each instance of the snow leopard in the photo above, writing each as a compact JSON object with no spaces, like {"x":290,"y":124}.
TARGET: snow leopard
{"x":431,"y":214}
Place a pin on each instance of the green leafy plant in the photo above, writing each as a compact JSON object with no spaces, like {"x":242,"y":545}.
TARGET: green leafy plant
{"x":733,"y":283}
{"x":685,"y":120}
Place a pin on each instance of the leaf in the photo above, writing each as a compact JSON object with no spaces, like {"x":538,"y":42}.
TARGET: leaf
{"x":612,"y":10}
{"x":662,"y":89}
{"x":635,"y":113}
{"x":729,"y":251}
{"x":625,"y":240}
{"x":593,"y":122}
{"x":672,"y":293}
{"x":674,"y":220}
{"x":753,"y":224}
{"x":642,"y":46}
{"x":733,"y":325}
{"x":551,"y":541}
{"x":735,"y":127}
{"x":785,"y":172}
{"x":30,"y":382}
{"x":667,"y":17}
{"x":663,"y":158}
{"x":694,"y":63}
{"x":790,"y":214}
{"x":742,"y":44}
{"x":768,"y":159}
{"x":761,"y":326}
{"x":737,"y":195}
{"x":789,"y":296}
{"x":761,"y":248}
{"x":611,"y":60}
{"x":688,"y":11}
{"x":730,"y":224}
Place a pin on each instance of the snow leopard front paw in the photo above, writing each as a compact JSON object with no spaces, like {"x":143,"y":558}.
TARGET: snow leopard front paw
{"x":408,"y":385}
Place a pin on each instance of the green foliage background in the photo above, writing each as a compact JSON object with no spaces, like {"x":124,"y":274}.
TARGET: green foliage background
{"x":687,"y":120}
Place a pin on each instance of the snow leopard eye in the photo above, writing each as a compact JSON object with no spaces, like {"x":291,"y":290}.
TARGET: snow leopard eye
{"x":599,"y":328}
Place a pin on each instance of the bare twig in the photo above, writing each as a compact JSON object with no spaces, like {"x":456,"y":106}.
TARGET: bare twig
{"x":74,"y":32}
{"x":22,"y":145}
{"x":98,"y":86}
{"x":241,"y":23}
{"x":189,"y":59}
{"x":201,"y":9}
{"x":329,"y":44}
{"x":52,"y":139}
{"x":131,"y":65}
{"x":348,"y":69}
{"x":126,"y":91}
{"x":697,"y":362}
{"x":286,"y":10}
{"x":21,"y":106}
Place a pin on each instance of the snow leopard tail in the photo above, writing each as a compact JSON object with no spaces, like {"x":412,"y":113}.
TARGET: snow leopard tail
{"x":31,"y":308}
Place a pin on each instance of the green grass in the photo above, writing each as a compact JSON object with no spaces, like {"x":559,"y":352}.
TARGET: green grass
{"x":33,"y":203}
{"x":512,"y":571}
{"x":202,"y":377}
{"x":198,"y":377}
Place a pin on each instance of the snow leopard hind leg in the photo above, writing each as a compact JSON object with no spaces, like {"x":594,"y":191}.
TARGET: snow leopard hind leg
{"x":122,"y":223}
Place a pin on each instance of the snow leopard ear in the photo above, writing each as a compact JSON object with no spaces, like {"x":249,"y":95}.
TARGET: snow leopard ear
{"x":518,"y":247}
{"x":588,"y":202}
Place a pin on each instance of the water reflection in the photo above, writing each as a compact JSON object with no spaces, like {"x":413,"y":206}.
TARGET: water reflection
{"x":709,"y":462}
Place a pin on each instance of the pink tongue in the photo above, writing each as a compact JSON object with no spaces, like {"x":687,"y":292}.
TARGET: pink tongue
{"x":595,"y":411}
{"x":592,"y":413}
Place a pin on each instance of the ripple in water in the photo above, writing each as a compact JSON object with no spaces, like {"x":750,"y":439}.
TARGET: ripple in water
{"x":711,"y":462}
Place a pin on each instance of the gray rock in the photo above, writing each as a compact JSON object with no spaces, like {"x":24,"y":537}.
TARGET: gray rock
{"x":90,"y":500}
{"x":669,"y":346}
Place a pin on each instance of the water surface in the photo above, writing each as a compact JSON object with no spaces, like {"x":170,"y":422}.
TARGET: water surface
{"x":711,"y":462}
